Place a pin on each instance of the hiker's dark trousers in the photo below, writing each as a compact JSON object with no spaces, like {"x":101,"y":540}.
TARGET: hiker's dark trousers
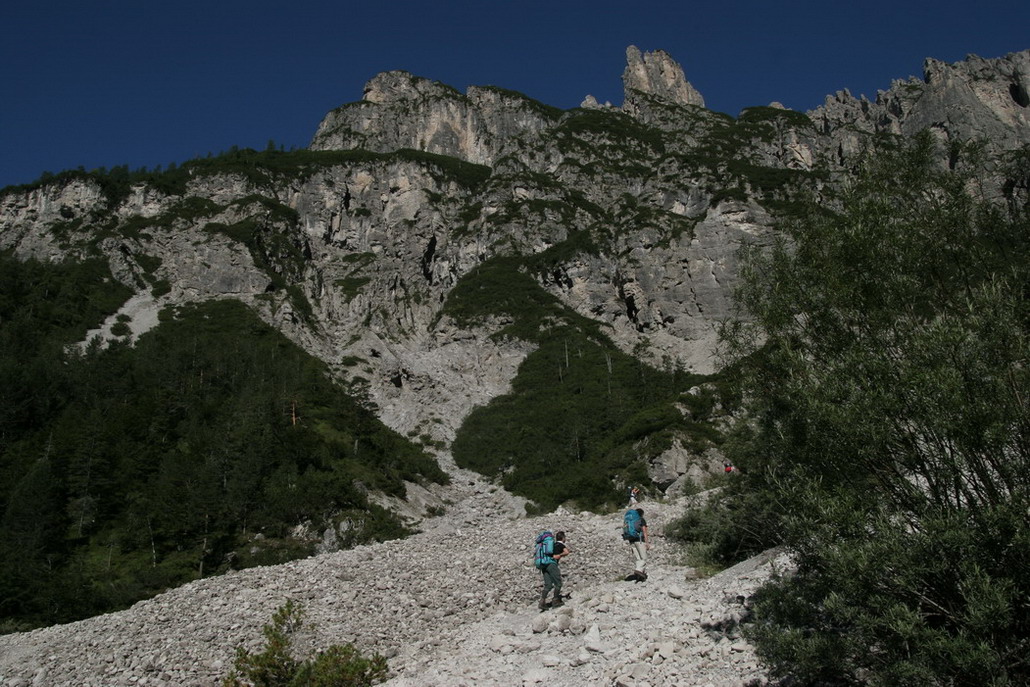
{"x":552,"y":579}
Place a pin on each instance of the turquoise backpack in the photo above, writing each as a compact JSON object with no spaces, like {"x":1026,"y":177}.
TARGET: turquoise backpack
{"x":631,"y":525}
{"x":543,"y":550}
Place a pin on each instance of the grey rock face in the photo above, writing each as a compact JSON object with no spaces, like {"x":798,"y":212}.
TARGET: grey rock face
{"x":400,"y":110}
{"x":23,"y":215}
{"x":678,"y":469}
{"x":656,"y":74}
{"x":977,"y":99}
{"x":590,"y":103}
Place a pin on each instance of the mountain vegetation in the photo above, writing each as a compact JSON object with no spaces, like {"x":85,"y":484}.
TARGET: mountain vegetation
{"x":887,"y":441}
{"x":129,"y":469}
{"x":569,"y":303}
{"x":262,"y":167}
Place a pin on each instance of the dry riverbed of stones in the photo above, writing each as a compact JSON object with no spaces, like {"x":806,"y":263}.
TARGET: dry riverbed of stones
{"x":453,"y":605}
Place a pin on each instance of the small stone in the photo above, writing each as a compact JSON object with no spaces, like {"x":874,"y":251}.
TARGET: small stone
{"x":535,"y":676}
{"x":639,"y":671}
{"x":667,"y":649}
{"x":528,"y":647}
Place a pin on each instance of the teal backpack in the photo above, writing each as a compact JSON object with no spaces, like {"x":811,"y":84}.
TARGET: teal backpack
{"x":631,"y":525}
{"x":544,"y":547}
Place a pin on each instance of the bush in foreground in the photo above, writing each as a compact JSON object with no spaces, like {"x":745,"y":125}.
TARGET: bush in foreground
{"x":337,"y":666}
{"x":887,"y":391}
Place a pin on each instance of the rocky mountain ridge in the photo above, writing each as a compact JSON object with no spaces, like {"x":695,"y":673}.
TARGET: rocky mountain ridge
{"x":631,"y":216}
{"x":643,"y":207}
{"x":978,"y":99}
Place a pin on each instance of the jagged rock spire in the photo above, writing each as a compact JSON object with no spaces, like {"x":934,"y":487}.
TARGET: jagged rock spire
{"x":658,"y":75}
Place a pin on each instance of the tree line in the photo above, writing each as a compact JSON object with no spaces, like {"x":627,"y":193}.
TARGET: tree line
{"x":129,"y":469}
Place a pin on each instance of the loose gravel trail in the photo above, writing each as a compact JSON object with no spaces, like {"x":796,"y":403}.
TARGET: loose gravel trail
{"x":452,"y":605}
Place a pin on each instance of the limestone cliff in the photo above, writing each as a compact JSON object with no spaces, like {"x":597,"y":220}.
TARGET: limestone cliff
{"x":400,"y":110}
{"x":656,"y":74}
{"x":978,"y":99}
{"x":636,"y":213}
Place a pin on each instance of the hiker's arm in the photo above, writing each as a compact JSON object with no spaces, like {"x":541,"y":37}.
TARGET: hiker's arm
{"x":647,"y":539}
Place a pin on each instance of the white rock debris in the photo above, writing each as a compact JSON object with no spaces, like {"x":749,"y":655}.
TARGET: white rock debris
{"x":453,"y":605}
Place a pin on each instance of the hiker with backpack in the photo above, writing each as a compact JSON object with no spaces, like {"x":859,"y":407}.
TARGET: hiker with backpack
{"x":634,"y":492}
{"x":548,"y":551}
{"x":634,"y":531}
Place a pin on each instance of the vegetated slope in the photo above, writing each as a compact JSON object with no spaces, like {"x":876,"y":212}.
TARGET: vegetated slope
{"x":583,"y":420}
{"x":129,"y":469}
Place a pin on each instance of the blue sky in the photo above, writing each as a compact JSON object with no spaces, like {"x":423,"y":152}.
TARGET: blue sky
{"x":105,"y":83}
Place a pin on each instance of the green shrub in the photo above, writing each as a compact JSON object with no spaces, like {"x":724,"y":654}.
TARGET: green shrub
{"x":351,"y":286}
{"x":269,"y":551}
{"x":276,"y":666}
{"x":735,"y":523}
{"x":936,"y":606}
{"x":160,"y":288}
{"x":615,"y":127}
{"x":888,"y":445}
{"x":149,"y":263}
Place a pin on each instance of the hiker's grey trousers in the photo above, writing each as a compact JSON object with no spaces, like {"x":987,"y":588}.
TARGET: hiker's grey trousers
{"x":552,"y":579}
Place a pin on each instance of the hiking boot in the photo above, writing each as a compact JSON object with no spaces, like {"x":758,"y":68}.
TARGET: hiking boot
{"x":633,"y":577}
{"x":556,"y":602}
{"x":641,"y":577}
{"x":543,"y":605}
